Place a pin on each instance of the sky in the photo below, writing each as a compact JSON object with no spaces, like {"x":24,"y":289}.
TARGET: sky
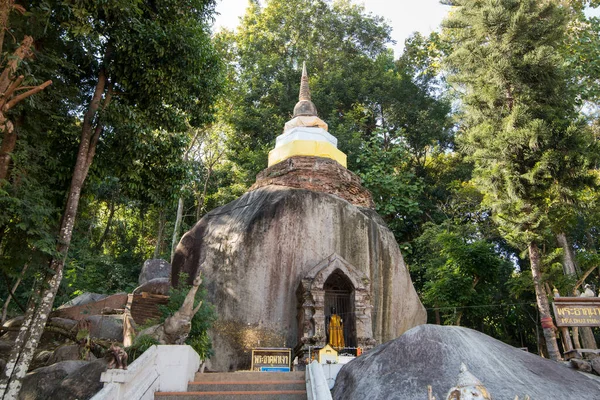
{"x":404,"y":16}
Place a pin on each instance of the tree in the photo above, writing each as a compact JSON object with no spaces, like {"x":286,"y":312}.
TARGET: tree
{"x":464,"y":273}
{"x":11,"y":83}
{"x":145,"y":62}
{"x":519,"y":124}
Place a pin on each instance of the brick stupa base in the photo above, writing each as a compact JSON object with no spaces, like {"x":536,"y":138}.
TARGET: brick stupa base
{"x":317,"y":174}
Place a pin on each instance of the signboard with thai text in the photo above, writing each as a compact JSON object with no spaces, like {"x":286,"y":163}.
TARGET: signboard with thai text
{"x":271,"y":359}
{"x":577,"y":311}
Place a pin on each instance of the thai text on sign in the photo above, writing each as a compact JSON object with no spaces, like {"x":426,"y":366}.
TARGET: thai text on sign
{"x":271,"y":358}
{"x":577,"y":311}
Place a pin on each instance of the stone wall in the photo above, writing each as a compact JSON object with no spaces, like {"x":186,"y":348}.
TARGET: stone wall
{"x":319,"y":175}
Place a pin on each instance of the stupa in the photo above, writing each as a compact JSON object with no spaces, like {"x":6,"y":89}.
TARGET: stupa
{"x":303,"y":241}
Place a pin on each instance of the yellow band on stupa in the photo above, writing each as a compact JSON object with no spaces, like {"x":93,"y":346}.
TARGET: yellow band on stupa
{"x":306,"y":148}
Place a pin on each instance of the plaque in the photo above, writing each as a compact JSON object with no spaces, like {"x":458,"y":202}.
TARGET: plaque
{"x":271,"y":359}
{"x":577,"y":311}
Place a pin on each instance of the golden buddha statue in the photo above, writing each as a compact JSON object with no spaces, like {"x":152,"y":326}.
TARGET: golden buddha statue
{"x":336,"y":330}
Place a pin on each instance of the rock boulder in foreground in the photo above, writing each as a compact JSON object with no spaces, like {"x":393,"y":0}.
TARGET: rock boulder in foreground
{"x":432,"y":354}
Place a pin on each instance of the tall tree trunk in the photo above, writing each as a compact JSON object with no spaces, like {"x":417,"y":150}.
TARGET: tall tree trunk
{"x":9,"y":84}
{"x":202,"y":197}
{"x":11,"y":294}
{"x":571,"y":269}
{"x":111,"y":215}
{"x":569,"y":266}
{"x":161,"y":230}
{"x":178,"y":219}
{"x":9,"y":142}
{"x":39,"y":308}
{"x":542,"y":302}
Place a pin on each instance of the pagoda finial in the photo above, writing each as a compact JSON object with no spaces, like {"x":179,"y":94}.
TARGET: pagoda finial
{"x":304,"y":89}
{"x":305,"y":106}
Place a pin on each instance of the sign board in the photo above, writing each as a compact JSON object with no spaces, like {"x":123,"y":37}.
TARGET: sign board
{"x":266,"y":359}
{"x":274,"y":369}
{"x":577,"y":311}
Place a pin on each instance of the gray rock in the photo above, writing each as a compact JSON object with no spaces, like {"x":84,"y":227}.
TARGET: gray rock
{"x":431,"y":355}
{"x":16,"y":321}
{"x":82,"y":299}
{"x":596,"y":365}
{"x":67,"y":352}
{"x":40,"y":384}
{"x":109,"y":327}
{"x":581,"y":365}
{"x":63,"y":323}
{"x":5,"y":348}
{"x":154,"y":268}
{"x":40,"y":359}
{"x":81,"y":384}
{"x":12,"y":323}
{"x":155,"y":286}
{"x":255,"y":251}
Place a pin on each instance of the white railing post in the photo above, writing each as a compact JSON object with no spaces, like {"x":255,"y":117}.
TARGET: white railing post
{"x":160,"y":368}
{"x":316,"y":384}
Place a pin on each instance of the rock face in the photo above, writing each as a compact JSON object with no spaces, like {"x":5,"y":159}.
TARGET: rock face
{"x":67,"y":352}
{"x":154,"y":268}
{"x":109,"y":327}
{"x":81,"y":384}
{"x":40,"y":383}
{"x":155,"y":286}
{"x":264,"y":256}
{"x":432,"y":355}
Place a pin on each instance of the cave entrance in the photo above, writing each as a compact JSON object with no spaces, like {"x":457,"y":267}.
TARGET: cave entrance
{"x":339,"y":294}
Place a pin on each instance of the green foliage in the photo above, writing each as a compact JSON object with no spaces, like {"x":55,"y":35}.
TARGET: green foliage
{"x":139,"y":346}
{"x":519,"y":124}
{"x":394,"y":188}
{"x":460,"y":271}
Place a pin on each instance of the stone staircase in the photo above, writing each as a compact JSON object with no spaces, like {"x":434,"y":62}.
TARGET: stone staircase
{"x":242,"y":386}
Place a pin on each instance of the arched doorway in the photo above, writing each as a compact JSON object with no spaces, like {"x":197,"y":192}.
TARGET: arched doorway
{"x":334,"y":283}
{"x":339,"y":294}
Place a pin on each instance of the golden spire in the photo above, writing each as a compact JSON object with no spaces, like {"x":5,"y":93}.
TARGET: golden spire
{"x":305,"y":106}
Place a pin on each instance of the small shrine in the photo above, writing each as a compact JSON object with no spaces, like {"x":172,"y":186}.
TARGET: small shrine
{"x":328,"y":355}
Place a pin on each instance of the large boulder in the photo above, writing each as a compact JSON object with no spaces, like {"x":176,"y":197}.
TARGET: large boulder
{"x":81,"y":384}
{"x":154,"y":268}
{"x":5,"y":348}
{"x":41,"y":383}
{"x":431,"y":355}
{"x":14,"y":323}
{"x":108,"y":327}
{"x":67,"y":352}
{"x":255,"y":253}
{"x":155,"y":286}
{"x":82,"y":299}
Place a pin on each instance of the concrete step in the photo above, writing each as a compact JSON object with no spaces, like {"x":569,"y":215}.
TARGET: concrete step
{"x":244,"y":395}
{"x":248,"y":376}
{"x":245,"y":386}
